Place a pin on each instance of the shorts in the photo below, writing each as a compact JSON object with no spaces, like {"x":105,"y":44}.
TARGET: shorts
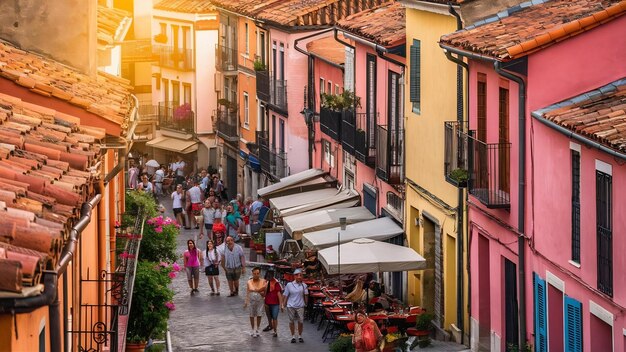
{"x":233,"y":274}
{"x":256,"y":304}
{"x":274,"y":309}
{"x":208,"y":227}
{"x":193,"y":272}
{"x":196,"y":208}
{"x":177,"y":211}
{"x":295,"y":314}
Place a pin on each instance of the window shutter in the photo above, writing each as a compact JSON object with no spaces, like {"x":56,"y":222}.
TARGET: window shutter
{"x":415,"y":72}
{"x":348,"y":82}
{"x":541,"y":334}
{"x":573,"y":326}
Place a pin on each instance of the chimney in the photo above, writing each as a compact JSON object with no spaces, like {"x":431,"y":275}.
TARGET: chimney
{"x":64,"y":30}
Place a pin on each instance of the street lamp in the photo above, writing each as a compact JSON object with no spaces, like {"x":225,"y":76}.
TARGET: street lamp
{"x":342,"y":223}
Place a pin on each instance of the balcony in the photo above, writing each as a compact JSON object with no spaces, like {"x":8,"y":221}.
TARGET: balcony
{"x":226,"y":58}
{"x":263,"y":85}
{"x":456,"y":165}
{"x":489,"y":178}
{"x":175,"y":58}
{"x":137,"y":50}
{"x":176,"y":117}
{"x":264,"y":150}
{"x":365,"y":138}
{"x":389,"y":158}
{"x":348,"y":131}
{"x":605,"y":260}
{"x":227,"y":125}
{"x":272,"y":162}
{"x":330,"y":123}
{"x":278,"y":91}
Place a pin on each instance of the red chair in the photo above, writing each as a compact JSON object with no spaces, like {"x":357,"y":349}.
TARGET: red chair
{"x":392,"y":329}
{"x":416,"y":310}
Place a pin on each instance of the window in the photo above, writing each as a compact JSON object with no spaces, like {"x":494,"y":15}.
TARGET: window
{"x":573,"y":325}
{"x":166,"y":90}
{"x":328,"y":155}
{"x":503,"y":162}
{"x":481,"y":105}
{"x":175,"y":39}
{"x":330,"y":88}
{"x":415,"y":72}
{"x":186,"y":40}
{"x":604,"y":232}
{"x":187,"y":93}
{"x":370,"y":102}
{"x":322,"y":86}
{"x":575,"y":157}
{"x":281,"y":136}
{"x":337,"y":89}
{"x":163,"y":28}
{"x":246,"y":111}
{"x":282,"y":61}
{"x":176,"y":93}
{"x":247,"y":34}
{"x":348,"y":82}
{"x":541,"y":330}
{"x":261,"y":48}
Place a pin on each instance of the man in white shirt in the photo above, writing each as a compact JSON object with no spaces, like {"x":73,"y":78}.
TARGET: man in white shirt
{"x":177,"y":204}
{"x":159,"y":175}
{"x":179,"y":170}
{"x":295,"y":297}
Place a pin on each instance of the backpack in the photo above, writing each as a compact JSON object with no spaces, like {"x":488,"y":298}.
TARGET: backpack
{"x":369,"y":337}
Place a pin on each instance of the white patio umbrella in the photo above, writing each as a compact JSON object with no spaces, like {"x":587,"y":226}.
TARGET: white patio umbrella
{"x":365,"y":255}
{"x":153,"y":163}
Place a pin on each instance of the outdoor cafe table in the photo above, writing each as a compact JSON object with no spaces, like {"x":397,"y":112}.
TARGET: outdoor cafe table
{"x":309,"y":282}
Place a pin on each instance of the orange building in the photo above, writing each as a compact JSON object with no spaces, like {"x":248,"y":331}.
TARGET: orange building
{"x":61,"y":153}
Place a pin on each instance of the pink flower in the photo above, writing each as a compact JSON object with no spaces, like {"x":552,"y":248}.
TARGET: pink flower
{"x":170,"y":305}
{"x":124,"y":255}
{"x":172,"y":274}
{"x":164,"y":264}
{"x":176,"y":267}
{"x":158,"y":229}
{"x":117,"y":224}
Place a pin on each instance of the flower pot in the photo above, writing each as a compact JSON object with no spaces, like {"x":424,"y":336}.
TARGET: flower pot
{"x":135,"y":346}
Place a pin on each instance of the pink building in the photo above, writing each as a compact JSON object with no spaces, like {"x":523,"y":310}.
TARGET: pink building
{"x":357,"y":94}
{"x":545,"y":264}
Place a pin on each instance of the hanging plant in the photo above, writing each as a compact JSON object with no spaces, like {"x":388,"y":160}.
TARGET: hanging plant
{"x":182,"y":112}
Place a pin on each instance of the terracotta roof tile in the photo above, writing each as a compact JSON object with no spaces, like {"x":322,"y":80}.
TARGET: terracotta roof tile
{"x":113,"y":24}
{"x":532,"y":26}
{"x":45,"y":171}
{"x":384,"y":25}
{"x":103,"y":95}
{"x":187,"y":6}
{"x":329,"y":49}
{"x":599,"y":115}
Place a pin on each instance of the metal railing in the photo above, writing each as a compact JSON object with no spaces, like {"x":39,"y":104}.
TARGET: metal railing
{"x":330,"y":123}
{"x":389,"y":157}
{"x":456,"y":154}
{"x":489,"y":179}
{"x":264,"y":151}
{"x":279,"y":164}
{"x":227,"y":125}
{"x":263,"y":85}
{"x":176,"y":58}
{"x":278,"y":90}
{"x":176,"y":117}
{"x":365,"y":138}
{"x":605,"y":260}
{"x":137,"y":50}
{"x":272,"y":162}
{"x":348,"y":130}
{"x":226,"y":58}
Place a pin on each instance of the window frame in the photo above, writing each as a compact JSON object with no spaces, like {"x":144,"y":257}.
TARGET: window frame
{"x":415,"y":67}
{"x":246,"y":110}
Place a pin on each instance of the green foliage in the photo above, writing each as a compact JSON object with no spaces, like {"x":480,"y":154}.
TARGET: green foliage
{"x":259,"y":66}
{"x":149,"y":312}
{"x":139,"y":199}
{"x":159,"y":240}
{"x":342,"y":343}
{"x":423,"y":321}
{"x":459,"y":175}
{"x":343,"y":101}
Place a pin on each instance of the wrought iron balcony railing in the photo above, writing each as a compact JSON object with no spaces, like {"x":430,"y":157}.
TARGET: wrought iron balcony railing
{"x":365,"y":138}
{"x":263,"y":85}
{"x":489,"y":178}
{"x":264,"y":151}
{"x":176,"y":58}
{"x":227,"y":59}
{"x":278,"y":91}
{"x":456,"y":154}
{"x":273,"y":162}
{"x":330,"y":123}
{"x":605,"y":260}
{"x":348,"y":130}
{"x":176,"y":117}
{"x":227,"y":125}
{"x":389,"y":156}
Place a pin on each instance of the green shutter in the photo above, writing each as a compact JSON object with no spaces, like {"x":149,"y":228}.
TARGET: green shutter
{"x":415,"y":73}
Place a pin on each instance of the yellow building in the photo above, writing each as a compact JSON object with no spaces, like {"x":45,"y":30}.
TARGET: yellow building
{"x":432,"y":220}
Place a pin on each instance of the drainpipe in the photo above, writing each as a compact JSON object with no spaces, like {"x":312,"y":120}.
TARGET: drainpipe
{"x":521,"y":215}
{"x":460,"y":318}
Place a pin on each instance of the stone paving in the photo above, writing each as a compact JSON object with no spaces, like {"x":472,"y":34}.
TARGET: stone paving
{"x":219,"y":323}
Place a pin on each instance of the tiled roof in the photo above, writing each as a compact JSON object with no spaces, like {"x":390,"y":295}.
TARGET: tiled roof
{"x":531,"y":26}
{"x":112,"y":25}
{"x":329,"y":49}
{"x":188,"y":6}
{"x":384,"y":25}
{"x":290,"y":13}
{"x":45,"y":175}
{"x":104,"y":95}
{"x":599,"y":115}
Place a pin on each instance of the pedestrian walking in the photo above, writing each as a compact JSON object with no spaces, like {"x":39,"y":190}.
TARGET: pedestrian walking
{"x":133,"y":175}
{"x":234,"y":264}
{"x":254,"y":297}
{"x":211,"y":267}
{"x":195,"y":196}
{"x":273,"y":300}
{"x":295,"y":297}
{"x":178,"y":198}
{"x":178,"y":168}
{"x":158,"y":178}
{"x":192,"y":258}
{"x":208,"y":215}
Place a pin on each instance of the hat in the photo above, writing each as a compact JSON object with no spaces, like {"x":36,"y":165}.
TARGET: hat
{"x":297,"y":271}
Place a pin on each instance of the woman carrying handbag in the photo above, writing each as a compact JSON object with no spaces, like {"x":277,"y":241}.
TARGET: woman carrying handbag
{"x":211,"y":267}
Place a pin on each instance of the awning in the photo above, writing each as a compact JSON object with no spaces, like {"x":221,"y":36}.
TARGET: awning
{"x":378,"y":229}
{"x":317,"y":220}
{"x":318,"y":199}
{"x":303,"y":181}
{"x":174,"y":144}
{"x":365,"y":255}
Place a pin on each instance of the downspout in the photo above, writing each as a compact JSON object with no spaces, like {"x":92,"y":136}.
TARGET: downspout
{"x":521,"y":203}
{"x":460,"y":318}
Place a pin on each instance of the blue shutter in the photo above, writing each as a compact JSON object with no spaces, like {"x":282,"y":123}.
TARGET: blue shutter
{"x":573,"y":325}
{"x":415,"y":72}
{"x":541,"y":333}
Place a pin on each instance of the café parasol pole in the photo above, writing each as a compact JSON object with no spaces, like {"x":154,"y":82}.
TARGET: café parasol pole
{"x":342,"y":224}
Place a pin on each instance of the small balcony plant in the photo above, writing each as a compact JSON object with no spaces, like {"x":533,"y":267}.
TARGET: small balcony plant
{"x":339,"y":102}
{"x":182,"y":112}
{"x":459,"y":176}
{"x":259,"y":66}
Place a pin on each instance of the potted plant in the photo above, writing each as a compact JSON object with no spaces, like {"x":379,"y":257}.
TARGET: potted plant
{"x":459,"y":176}
{"x":151,"y":304}
{"x":182,"y":112}
{"x":423,"y":325}
{"x":259,"y":66}
{"x":343,"y":343}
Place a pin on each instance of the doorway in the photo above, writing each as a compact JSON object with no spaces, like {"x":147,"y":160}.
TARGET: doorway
{"x":511,"y":322}
{"x":484,"y":299}
{"x":231,"y":177}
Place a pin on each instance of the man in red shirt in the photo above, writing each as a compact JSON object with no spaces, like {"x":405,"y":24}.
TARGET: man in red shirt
{"x":273,"y":299}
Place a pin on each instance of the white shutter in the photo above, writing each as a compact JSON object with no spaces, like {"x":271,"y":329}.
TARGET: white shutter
{"x":348,"y":83}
